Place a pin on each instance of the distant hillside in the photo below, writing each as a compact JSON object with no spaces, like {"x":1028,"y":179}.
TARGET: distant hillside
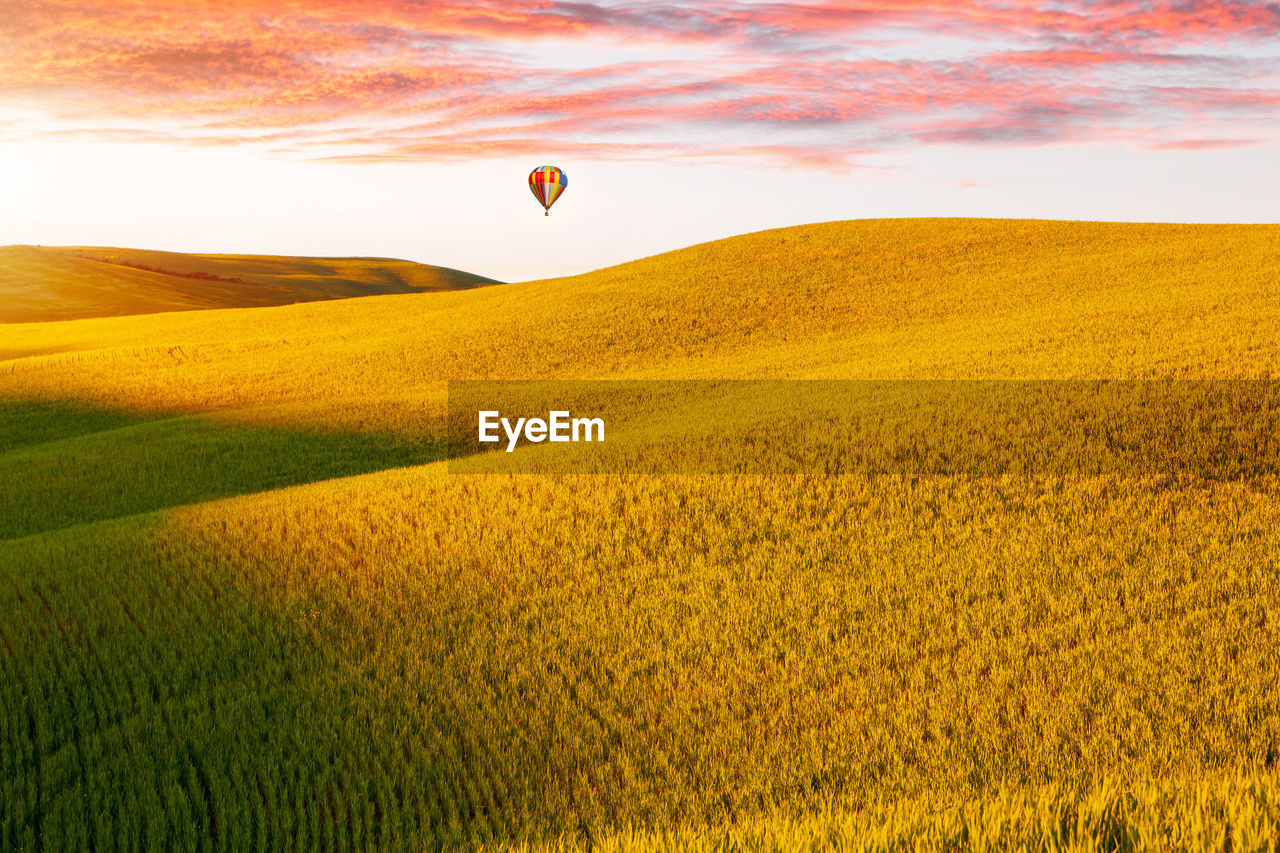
{"x":864,"y":299}
{"x":39,"y":283}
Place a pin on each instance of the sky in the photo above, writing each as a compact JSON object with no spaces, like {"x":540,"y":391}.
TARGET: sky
{"x":407,"y":129}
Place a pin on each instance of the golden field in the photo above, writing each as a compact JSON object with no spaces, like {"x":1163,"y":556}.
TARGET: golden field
{"x":42,"y":283}
{"x":248,"y":606}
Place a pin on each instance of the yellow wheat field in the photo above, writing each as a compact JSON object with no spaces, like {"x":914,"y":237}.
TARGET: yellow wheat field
{"x":379,"y":654}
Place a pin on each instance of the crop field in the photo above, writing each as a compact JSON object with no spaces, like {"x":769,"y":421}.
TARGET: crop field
{"x":42,"y":283}
{"x":244,"y":603}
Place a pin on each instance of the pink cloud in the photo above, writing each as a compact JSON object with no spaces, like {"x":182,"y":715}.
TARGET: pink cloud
{"x":803,"y":84}
{"x":1203,"y":144}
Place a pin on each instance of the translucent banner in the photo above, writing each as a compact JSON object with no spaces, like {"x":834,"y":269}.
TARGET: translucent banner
{"x":1212,"y":429}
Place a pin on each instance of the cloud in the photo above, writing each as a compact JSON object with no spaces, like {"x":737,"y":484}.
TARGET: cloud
{"x":1203,"y":144}
{"x":801,"y":84}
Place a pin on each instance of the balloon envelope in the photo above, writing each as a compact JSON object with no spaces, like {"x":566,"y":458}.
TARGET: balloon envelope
{"x":547,"y":184}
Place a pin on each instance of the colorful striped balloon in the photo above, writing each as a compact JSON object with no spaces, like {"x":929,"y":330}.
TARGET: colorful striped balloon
{"x":547,"y":183}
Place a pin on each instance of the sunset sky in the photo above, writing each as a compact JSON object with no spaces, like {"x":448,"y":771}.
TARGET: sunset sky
{"x":408,"y":128}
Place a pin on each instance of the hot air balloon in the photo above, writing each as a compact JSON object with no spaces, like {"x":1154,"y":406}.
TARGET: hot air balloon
{"x":547,"y":183}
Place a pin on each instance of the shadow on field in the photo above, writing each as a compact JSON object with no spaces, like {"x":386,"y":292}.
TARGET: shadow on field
{"x":156,"y":702}
{"x":65,"y":463}
{"x":168,"y":687}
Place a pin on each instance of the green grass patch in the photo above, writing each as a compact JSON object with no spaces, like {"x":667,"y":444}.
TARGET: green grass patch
{"x":64,"y":464}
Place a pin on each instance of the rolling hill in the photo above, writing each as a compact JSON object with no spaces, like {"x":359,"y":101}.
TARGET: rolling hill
{"x":246,"y":604}
{"x":39,"y":283}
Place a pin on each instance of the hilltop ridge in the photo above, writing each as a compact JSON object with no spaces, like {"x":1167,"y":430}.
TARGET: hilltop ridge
{"x":41,"y":283}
